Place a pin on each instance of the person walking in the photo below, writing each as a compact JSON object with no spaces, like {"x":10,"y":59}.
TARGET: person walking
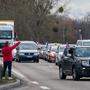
{"x":8,"y":58}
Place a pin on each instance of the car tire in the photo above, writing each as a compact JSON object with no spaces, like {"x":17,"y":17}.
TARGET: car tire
{"x":37,"y":61}
{"x":18,"y":60}
{"x":75,"y":74}
{"x":61,"y":74}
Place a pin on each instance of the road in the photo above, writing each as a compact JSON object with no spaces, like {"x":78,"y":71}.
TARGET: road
{"x":44,"y":76}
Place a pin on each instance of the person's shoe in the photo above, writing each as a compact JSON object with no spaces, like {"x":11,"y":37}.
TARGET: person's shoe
{"x":3,"y":78}
{"x":10,"y":78}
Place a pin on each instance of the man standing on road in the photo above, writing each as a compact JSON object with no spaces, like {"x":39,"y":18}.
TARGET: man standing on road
{"x":8,"y":58}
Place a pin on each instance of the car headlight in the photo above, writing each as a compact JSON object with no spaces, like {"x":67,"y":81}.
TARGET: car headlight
{"x":21,"y":53}
{"x":85,"y":63}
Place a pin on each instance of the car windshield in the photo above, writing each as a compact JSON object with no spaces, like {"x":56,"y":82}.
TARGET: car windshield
{"x":28,"y":46}
{"x":54,"y":49}
{"x":82,"y":52}
{"x":5,"y":34}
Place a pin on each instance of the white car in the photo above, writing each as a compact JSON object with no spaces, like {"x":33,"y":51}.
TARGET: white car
{"x":27,"y":51}
{"x":59,"y":54}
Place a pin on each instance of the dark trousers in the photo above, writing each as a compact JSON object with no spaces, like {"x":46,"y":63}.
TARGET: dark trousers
{"x":6,"y":65}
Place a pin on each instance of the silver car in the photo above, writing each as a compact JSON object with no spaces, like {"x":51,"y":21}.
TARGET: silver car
{"x":27,"y":50}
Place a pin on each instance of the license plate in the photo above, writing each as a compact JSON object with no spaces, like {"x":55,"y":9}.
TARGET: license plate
{"x":29,"y":56}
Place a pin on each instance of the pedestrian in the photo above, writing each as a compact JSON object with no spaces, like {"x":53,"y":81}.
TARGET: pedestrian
{"x":8,"y":58}
{"x":66,"y":49}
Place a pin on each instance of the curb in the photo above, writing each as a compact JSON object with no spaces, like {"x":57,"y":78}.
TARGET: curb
{"x":10,"y":85}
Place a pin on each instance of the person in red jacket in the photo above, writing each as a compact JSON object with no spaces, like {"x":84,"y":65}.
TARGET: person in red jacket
{"x":8,"y":58}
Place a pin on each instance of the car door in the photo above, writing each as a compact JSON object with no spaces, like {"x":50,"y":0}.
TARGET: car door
{"x":69,"y":62}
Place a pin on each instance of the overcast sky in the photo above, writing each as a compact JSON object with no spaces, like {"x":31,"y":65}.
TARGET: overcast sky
{"x":79,"y":8}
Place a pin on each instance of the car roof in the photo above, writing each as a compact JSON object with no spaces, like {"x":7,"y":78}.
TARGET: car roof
{"x":28,"y":42}
{"x":84,"y":40}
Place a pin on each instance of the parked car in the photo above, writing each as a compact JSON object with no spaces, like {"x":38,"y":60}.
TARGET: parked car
{"x":59,"y":53}
{"x":51,"y":56}
{"x":41,"y":51}
{"x":76,"y":63}
{"x":51,"y":47}
{"x":27,"y":50}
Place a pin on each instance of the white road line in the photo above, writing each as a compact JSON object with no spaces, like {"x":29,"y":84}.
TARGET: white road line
{"x":18,"y":74}
{"x":44,"y":88}
{"x":34,"y":82}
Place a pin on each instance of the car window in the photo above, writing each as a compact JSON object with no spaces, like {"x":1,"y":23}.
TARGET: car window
{"x":79,"y":43}
{"x":27,"y":46}
{"x":86,"y":43}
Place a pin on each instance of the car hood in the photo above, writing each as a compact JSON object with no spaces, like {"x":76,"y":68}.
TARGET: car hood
{"x":30,"y":51}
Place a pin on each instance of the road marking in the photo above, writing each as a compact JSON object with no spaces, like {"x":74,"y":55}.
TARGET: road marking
{"x":34,"y":82}
{"x":18,"y":73}
{"x":44,"y":88}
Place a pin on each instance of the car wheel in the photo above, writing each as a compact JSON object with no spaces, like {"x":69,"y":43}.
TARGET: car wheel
{"x":18,"y":59}
{"x":75,"y":75}
{"x":61,"y":74}
{"x":37,"y":61}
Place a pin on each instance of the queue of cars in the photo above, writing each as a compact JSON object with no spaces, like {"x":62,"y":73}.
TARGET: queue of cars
{"x":49,"y":51}
{"x":72,"y":60}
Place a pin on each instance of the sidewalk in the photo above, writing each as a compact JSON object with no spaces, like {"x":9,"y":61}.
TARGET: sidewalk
{"x":8,"y":86}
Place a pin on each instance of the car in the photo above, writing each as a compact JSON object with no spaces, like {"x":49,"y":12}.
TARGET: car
{"x":76,"y":63}
{"x":41,"y":51}
{"x":51,"y":56}
{"x":50,"y":52}
{"x":59,"y":53}
{"x":27,"y":51}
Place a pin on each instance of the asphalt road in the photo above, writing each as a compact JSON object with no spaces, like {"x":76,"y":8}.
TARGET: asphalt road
{"x":44,"y":76}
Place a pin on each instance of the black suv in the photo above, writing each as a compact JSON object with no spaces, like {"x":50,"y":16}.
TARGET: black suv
{"x":75,"y":63}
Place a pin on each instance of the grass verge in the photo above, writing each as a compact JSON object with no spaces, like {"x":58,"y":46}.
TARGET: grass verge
{"x":7,"y":81}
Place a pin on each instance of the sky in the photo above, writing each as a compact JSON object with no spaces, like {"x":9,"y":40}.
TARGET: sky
{"x":76,"y":8}
{"x":79,"y":8}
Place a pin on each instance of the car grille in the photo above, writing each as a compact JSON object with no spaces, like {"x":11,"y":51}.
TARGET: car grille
{"x":26,"y":53}
{"x":29,"y":53}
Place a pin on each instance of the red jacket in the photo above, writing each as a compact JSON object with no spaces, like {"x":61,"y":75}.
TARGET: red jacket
{"x":7,"y":52}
